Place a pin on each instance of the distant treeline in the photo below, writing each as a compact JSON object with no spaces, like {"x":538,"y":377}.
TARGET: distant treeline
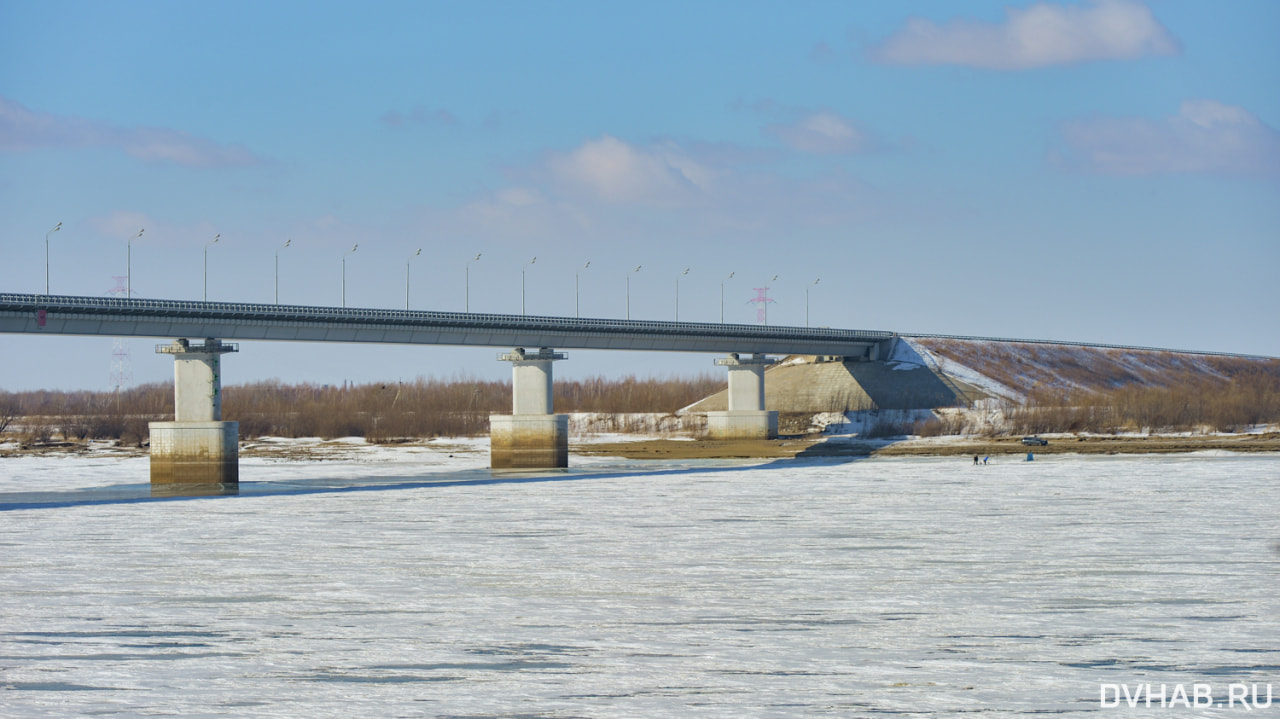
{"x":377,"y":411}
{"x":1186,"y":402}
{"x":1193,"y":402}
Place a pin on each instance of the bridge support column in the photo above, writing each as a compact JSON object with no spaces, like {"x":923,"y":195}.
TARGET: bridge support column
{"x":197,"y":453}
{"x":531,"y":437}
{"x":747,"y":417}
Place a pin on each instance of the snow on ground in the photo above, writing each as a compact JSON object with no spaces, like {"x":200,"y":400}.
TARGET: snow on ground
{"x":859,"y":422}
{"x":913,"y":353}
{"x":1066,"y":366}
{"x":648,"y":424}
{"x":907,"y":586}
{"x":286,"y":459}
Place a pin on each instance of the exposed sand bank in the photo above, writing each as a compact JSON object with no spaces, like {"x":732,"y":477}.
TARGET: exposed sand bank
{"x":949,"y":446}
{"x":806,"y":446}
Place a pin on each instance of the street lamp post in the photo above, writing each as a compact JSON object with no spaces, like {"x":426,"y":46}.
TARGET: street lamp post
{"x":637,"y":269}
{"x":467,"y":300}
{"x":682,"y":274}
{"x":522,"y":269}
{"x":46,"y":255}
{"x":575,"y":289}
{"x":286,"y":244}
{"x":722,"y":295}
{"x":205,"y":296}
{"x":806,"y":300}
{"x":406,"y":276}
{"x":128,"y":267}
{"x":344,"y":272}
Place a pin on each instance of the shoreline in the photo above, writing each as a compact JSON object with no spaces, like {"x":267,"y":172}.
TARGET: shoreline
{"x":802,"y":446}
{"x":927,"y":447}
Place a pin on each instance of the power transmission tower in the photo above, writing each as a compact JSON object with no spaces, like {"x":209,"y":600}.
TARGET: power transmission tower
{"x":121,"y":362}
{"x":762,"y":299}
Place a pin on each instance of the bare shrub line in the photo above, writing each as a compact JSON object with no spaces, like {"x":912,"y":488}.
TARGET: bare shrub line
{"x":378,"y":411}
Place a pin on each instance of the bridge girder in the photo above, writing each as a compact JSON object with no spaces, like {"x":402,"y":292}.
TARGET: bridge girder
{"x":118,"y":317}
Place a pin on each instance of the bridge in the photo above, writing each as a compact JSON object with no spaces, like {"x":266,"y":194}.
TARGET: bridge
{"x":200,"y":449}
{"x":118,"y":317}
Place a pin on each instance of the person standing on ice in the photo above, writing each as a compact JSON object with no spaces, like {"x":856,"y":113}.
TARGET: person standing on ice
{"x":975,"y":459}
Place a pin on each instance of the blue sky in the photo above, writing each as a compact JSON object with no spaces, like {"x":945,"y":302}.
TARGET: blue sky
{"x":1095,"y":171}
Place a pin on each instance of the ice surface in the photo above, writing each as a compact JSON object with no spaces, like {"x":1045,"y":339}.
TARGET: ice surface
{"x":424,"y":586}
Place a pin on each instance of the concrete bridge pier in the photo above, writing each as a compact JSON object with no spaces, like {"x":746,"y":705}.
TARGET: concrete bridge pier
{"x":531,"y":437}
{"x":747,"y":417}
{"x":197,"y":453}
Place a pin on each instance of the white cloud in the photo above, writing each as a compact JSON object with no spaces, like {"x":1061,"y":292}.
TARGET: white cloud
{"x":419,"y":116}
{"x":1040,"y":35}
{"x":822,"y":54}
{"x":821,"y":133}
{"x":614,"y":171}
{"x":609,"y":190}
{"x":519,"y":196}
{"x":1205,"y":136}
{"x":124,"y":224}
{"x":22,"y":129}
{"x":762,"y":107}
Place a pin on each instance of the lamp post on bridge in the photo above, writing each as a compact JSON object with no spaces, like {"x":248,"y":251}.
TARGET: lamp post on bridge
{"x":731,"y":274}
{"x":682,"y":274}
{"x":344,"y":272}
{"x":522,"y":269}
{"x":467,"y":269}
{"x":406,"y":276}
{"x":128,"y":267}
{"x":806,"y":300}
{"x":204,"y":297}
{"x":575,"y":289}
{"x":46,"y":255}
{"x":637,"y":269}
{"x":286,"y":244}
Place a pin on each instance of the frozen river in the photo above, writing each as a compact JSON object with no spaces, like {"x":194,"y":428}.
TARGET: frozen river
{"x":420,"y":586}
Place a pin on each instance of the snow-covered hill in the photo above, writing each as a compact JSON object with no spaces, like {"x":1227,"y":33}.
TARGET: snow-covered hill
{"x":1011,"y":369}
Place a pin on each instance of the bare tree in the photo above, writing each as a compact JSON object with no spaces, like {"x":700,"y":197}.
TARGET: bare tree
{"x":9,"y":411}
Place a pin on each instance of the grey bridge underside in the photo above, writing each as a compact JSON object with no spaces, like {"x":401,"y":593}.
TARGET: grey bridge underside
{"x":69,"y":315}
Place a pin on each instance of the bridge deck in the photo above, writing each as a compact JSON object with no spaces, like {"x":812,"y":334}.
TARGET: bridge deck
{"x":118,"y":317}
